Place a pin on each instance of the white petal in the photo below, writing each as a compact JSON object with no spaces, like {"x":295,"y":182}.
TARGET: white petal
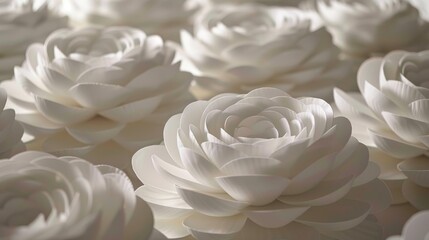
{"x":375,"y":193}
{"x":406,"y":128}
{"x":63,"y":114}
{"x":98,"y":95}
{"x":215,"y":205}
{"x":395,"y":146}
{"x":143,"y":167}
{"x":418,"y":196}
{"x":325,"y":193}
{"x":274,"y":215}
{"x":211,"y":228}
{"x":417,"y":170}
{"x":253,"y":188}
{"x":252,"y":165}
{"x":134,"y":111}
{"x":349,"y":213}
{"x":95,"y":131}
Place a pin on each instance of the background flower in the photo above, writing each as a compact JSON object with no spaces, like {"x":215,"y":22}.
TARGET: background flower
{"x":415,"y":228}
{"x":160,"y":17}
{"x":23,"y":22}
{"x":261,"y":166}
{"x":84,"y":88}
{"x":44,"y":198}
{"x":423,"y":7}
{"x":391,"y":114}
{"x":240,"y":48}
{"x":366,"y":27}
{"x":10,"y":130}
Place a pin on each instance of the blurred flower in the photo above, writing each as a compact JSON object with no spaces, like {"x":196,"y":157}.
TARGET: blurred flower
{"x":423,"y":7}
{"x":23,"y":22}
{"x":49,"y":198}
{"x":83,"y":88}
{"x":415,"y":228}
{"x":240,"y":48}
{"x":261,"y":166}
{"x":159,"y":17}
{"x":10,"y":130}
{"x":391,"y":113}
{"x":366,"y":27}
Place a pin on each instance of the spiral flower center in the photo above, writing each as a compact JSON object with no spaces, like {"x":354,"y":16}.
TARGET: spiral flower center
{"x":417,"y":72}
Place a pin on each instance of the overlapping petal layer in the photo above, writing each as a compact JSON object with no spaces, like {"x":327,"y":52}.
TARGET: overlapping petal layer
{"x":22,"y":23}
{"x":391,"y":109}
{"x":261,"y":166}
{"x":159,"y":17}
{"x":47,"y":198}
{"x":93,"y":86}
{"x":367,"y":27}
{"x":244,"y":47}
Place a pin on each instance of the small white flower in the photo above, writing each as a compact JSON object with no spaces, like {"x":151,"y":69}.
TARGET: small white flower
{"x":23,"y":22}
{"x":261,"y":166}
{"x":366,"y":27}
{"x":86,"y":87}
{"x":415,"y":228}
{"x":49,"y":198}
{"x":240,"y":48}
{"x":391,"y":114}
{"x":160,"y":17}
{"x":10,"y":130}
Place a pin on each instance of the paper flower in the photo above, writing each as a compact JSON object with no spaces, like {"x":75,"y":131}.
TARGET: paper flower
{"x":240,"y":48}
{"x":23,"y":22}
{"x":160,"y":17}
{"x":391,"y":113}
{"x":49,"y":198}
{"x":83,"y":88}
{"x":365,"y":28}
{"x":10,"y":130}
{"x":260,"y":166}
{"x":423,"y":7}
{"x":415,"y":228}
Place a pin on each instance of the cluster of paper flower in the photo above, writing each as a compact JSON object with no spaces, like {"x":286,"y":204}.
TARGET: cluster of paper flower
{"x":244,"y":120}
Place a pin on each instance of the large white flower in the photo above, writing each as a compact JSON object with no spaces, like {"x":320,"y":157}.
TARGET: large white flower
{"x":161,"y":17}
{"x":391,"y":113}
{"x":83,"y":88}
{"x":366,"y":27}
{"x":423,"y":7}
{"x":260,"y":166}
{"x":47,"y":198}
{"x":10,"y":130}
{"x":23,"y":22}
{"x":415,"y":228}
{"x":240,"y":48}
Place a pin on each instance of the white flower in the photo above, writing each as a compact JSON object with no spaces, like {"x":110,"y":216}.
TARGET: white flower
{"x":267,"y":2}
{"x":23,"y":22}
{"x":423,"y":7}
{"x":240,"y":48}
{"x":10,"y":130}
{"x":415,"y":228}
{"x":161,"y":17}
{"x":260,"y":166}
{"x":49,"y":198}
{"x":366,"y":27}
{"x":83,"y":88}
{"x":391,"y":113}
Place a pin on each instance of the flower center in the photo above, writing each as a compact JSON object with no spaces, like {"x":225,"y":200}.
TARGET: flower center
{"x":247,"y":22}
{"x":417,"y":72}
{"x":256,"y":127}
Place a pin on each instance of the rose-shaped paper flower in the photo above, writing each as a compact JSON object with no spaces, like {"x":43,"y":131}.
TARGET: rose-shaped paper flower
{"x":23,"y":22}
{"x":415,"y":228}
{"x":366,"y":27}
{"x":49,"y":198}
{"x":86,"y":87}
{"x":240,"y":48}
{"x":260,"y":166}
{"x":10,"y":130}
{"x":391,"y":113}
{"x":161,"y":17}
{"x":423,"y":7}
